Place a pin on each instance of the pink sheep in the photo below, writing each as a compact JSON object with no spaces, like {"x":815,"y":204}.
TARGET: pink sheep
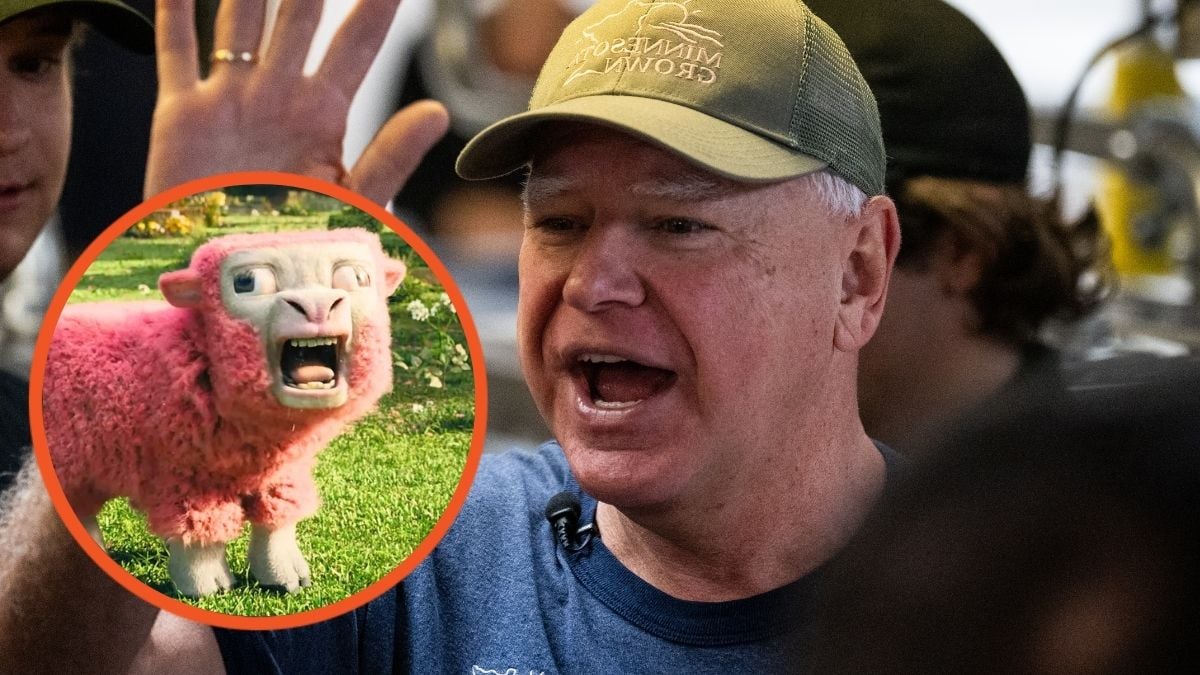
{"x":210,"y":410}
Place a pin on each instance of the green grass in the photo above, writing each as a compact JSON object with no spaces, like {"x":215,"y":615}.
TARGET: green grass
{"x":383,"y":484}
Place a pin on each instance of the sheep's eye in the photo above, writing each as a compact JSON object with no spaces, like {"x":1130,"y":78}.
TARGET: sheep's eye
{"x":351,"y":277}
{"x":254,"y":281}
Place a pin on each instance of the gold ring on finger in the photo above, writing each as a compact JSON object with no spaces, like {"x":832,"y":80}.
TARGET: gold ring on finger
{"x":230,"y":56}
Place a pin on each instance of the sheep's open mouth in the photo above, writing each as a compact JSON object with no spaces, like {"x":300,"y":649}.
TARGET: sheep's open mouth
{"x":310,"y":363}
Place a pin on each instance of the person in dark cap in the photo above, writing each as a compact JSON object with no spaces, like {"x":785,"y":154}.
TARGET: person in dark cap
{"x":36,"y":37}
{"x":983,"y":264}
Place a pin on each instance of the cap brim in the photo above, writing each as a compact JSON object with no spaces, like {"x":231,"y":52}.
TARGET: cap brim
{"x":115,"y":20}
{"x":712,"y":144}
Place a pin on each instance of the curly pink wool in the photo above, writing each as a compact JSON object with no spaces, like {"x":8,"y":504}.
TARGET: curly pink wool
{"x":172,"y":407}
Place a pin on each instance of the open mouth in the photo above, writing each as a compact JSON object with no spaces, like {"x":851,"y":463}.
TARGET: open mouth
{"x":616,"y":383}
{"x":311,"y":363}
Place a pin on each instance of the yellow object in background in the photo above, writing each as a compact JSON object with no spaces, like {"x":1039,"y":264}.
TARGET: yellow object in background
{"x":1145,"y":71}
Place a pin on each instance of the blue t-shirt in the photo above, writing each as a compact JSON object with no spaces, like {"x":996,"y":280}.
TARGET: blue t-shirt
{"x":499,"y":595}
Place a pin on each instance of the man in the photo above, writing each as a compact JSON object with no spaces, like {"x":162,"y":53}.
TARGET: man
{"x":985,"y":264}
{"x":706,"y":252}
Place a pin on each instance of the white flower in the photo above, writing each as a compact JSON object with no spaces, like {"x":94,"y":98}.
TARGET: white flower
{"x":418,"y":311}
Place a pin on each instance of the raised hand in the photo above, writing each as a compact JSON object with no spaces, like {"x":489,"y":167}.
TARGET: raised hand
{"x":257,"y":110}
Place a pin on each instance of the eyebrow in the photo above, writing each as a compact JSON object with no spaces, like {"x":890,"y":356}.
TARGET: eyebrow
{"x":685,"y":186}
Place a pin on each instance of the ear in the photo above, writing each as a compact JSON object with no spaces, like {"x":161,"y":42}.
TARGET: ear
{"x":393,"y":273}
{"x":181,"y":288}
{"x":871,"y":241}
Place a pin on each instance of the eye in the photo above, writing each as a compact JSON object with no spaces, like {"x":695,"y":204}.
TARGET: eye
{"x":351,"y":277}
{"x":557,"y":224}
{"x":254,"y":281}
{"x":681,"y":226}
{"x":36,"y":65}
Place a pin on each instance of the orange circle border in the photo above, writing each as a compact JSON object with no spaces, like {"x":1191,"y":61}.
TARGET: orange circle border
{"x":132,"y":583}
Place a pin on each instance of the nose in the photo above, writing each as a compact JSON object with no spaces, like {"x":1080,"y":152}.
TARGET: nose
{"x":604,"y":272}
{"x":15,"y":131}
{"x":317,"y":305}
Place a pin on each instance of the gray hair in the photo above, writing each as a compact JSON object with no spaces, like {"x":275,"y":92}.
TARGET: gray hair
{"x":840,"y":196}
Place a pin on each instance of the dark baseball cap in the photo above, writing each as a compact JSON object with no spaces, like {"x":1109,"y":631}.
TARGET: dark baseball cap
{"x":949,"y":103}
{"x":116,"y":20}
{"x":754,"y":91}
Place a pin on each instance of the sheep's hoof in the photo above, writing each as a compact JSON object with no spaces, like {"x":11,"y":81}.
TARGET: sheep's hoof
{"x":275,"y":558}
{"x":199,"y":570}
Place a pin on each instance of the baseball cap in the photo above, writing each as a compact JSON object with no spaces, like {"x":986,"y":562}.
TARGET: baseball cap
{"x":116,"y":20}
{"x":754,"y":91}
{"x":950,"y":104}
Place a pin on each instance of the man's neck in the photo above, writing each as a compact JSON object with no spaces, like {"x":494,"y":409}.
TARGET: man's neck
{"x":784,"y":530}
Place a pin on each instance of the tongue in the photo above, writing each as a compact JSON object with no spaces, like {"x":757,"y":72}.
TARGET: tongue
{"x":627,"y":381}
{"x":311,"y":373}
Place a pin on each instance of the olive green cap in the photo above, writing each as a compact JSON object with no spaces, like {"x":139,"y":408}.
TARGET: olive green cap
{"x":754,"y":91}
{"x":116,"y":20}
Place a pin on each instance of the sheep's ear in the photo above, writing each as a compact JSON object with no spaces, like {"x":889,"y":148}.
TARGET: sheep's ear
{"x":181,"y":288}
{"x":393,"y":273}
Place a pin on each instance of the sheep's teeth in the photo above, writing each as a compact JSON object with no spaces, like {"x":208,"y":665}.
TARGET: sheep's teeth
{"x":313,"y":342}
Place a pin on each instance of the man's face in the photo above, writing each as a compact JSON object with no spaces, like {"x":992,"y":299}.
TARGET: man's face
{"x":35,"y":127}
{"x":675,"y":328}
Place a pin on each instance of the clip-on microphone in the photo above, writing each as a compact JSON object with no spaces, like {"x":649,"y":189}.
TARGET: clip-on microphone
{"x":563,"y":512}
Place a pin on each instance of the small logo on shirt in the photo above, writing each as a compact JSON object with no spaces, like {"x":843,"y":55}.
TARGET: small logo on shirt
{"x":668,"y":42}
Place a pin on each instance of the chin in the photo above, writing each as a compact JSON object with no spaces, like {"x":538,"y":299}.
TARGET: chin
{"x":626,"y":477}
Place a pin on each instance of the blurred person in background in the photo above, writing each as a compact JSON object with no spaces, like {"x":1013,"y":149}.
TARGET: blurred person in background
{"x":983,"y":264}
{"x":1018,"y":547}
{"x":480,"y":59}
{"x":36,"y":39}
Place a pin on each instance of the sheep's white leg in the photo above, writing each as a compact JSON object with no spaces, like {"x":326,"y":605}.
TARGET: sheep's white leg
{"x":198,"y":570}
{"x":93,"y":529}
{"x":275,"y":558}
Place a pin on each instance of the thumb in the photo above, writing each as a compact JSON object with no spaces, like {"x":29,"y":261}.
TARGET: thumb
{"x":397,"y":150}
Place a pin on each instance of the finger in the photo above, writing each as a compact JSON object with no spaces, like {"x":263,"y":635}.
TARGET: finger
{"x":357,"y":42}
{"x":175,"y":44}
{"x":397,"y":149}
{"x":290,"y":40}
{"x":240,"y":25}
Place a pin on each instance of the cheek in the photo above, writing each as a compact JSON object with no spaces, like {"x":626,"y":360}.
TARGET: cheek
{"x":540,"y":292}
{"x":52,"y":130}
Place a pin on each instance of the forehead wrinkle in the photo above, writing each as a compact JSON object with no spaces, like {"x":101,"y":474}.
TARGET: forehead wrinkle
{"x":683,"y":186}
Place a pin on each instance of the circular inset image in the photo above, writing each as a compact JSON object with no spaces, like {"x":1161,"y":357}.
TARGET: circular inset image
{"x":258,"y":400}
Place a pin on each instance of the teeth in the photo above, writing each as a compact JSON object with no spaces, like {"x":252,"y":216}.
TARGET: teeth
{"x":601,"y":358}
{"x":312,"y":342}
{"x":616,"y":405}
{"x":315,"y":385}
